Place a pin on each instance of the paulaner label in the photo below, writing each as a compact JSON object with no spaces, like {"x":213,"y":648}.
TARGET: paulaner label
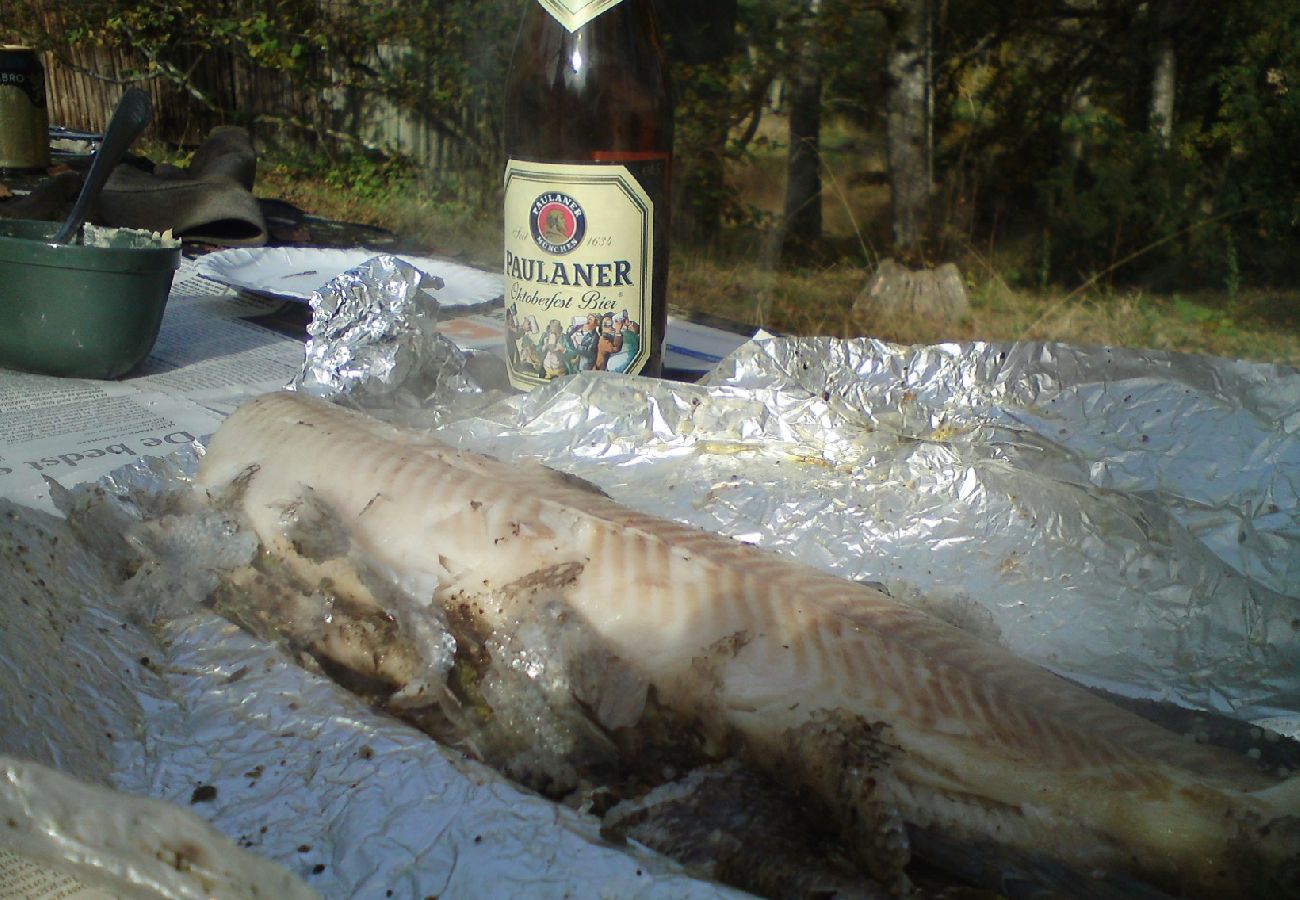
{"x":579,"y":259}
{"x":573,"y":14}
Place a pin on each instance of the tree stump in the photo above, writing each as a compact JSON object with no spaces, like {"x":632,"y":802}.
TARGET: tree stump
{"x":896,"y":291}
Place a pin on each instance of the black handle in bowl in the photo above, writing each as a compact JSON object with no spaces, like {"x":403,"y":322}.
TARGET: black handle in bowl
{"x":130,"y":116}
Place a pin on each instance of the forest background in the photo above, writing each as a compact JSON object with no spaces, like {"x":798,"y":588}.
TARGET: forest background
{"x":1101,"y":171}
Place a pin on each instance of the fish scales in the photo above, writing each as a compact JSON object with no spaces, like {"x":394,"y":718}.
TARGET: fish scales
{"x":795,"y":666}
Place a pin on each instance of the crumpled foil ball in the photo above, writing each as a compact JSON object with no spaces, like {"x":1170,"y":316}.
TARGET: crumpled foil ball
{"x":373,"y":344}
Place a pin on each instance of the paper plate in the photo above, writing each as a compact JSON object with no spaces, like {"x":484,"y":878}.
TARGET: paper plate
{"x":295,"y":273}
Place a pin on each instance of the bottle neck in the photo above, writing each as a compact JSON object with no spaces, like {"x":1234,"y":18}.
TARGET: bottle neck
{"x":601,"y":89}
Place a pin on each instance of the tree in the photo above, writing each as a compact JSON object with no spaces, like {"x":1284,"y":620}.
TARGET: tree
{"x":802,"y":224}
{"x":1164,"y":74}
{"x":908,"y":123}
{"x":1124,"y":136}
{"x":309,"y":71}
{"x":724,"y":56}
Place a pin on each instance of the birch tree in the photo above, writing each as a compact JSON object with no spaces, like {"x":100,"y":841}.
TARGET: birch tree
{"x":908,"y":121}
{"x":1164,"y":73}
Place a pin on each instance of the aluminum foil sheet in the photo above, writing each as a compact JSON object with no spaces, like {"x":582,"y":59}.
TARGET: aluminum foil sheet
{"x":1127,"y":518}
{"x":67,"y":838}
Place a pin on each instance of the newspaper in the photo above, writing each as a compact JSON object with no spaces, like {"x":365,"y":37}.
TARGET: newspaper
{"x":217,"y":347}
{"x":210,"y":355}
{"x":22,"y":878}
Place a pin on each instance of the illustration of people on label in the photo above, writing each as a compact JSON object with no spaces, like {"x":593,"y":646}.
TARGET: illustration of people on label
{"x":512,"y":335}
{"x":585,"y":334}
{"x":629,"y":337}
{"x":619,"y":343}
{"x":557,"y":351}
{"x":607,"y":343}
{"x":591,"y":343}
{"x":526,"y":339}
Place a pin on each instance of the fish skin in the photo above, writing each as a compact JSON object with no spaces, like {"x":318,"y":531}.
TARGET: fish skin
{"x":877,"y":710}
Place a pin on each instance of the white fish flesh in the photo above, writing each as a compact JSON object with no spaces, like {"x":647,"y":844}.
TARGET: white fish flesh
{"x":893,"y":722}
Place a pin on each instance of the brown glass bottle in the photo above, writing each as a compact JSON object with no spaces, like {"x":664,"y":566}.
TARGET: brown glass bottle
{"x":588,"y":136}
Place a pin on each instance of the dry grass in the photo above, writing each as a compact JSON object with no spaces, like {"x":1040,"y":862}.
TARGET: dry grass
{"x":1258,"y":325}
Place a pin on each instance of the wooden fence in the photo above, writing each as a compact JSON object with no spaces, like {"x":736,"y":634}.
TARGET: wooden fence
{"x":84,"y":83}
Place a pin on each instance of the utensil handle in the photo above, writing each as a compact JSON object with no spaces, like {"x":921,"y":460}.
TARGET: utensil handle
{"x":131,"y":115}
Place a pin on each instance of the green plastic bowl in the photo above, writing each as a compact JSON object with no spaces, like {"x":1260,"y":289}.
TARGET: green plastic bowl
{"x":81,"y":311}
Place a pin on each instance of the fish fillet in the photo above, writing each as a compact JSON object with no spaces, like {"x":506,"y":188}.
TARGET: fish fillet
{"x":892,"y":721}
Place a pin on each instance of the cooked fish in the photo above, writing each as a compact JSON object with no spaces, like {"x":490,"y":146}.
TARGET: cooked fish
{"x":898,"y":726}
{"x":730,"y":824}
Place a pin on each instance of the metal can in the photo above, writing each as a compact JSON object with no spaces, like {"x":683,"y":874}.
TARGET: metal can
{"x":24,"y":117}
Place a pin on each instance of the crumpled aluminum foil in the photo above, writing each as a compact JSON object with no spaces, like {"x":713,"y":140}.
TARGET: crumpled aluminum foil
{"x":373,"y":344}
{"x":74,"y":830}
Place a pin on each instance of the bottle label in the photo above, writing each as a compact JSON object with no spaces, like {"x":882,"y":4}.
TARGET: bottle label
{"x":579,"y":264}
{"x":573,"y":14}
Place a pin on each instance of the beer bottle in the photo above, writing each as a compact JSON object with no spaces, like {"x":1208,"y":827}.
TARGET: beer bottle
{"x":24,"y":119}
{"x":588,"y":137}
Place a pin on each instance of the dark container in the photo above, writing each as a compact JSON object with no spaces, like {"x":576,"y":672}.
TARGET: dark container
{"x":81,"y":311}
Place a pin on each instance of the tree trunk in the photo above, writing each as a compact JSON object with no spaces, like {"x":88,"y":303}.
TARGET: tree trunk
{"x":897,"y":292}
{"x":908,"y":124}
{"x":699,"y":167}
{"x":803,"y":191}
{"x":1165,"y":61}
{"x":699,"y":38}
{"x":1080,"y":106}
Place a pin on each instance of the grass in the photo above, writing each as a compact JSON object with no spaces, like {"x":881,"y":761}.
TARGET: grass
{"x":1253,"y":326}
{"x":744,"y":283}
